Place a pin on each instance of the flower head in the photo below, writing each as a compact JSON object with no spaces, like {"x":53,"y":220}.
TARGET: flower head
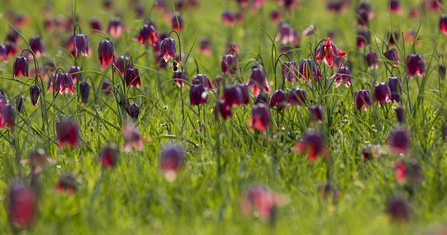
{"x":20,"y":67}
{"x":198,"y":95}
{"x":67,"y":184}
{"x":115,"y":27}
{"x":132,"y":77}
{"x":287,"y":35}
{"x":258,"y":81}
{"x":37,"y":46}
{"x":132,"y":138}
{"x":260,"y":117}
{"x":395,"y":87}
{"x":74,"y":72}
{"x":313,"y":143}
{"x":225,"y":112}
{"x":362,"y":98}
{"x":202,"y":79}
{"x":367,"y":7}
{"x":443,"y":24}
{"x":372,"y":60}
{"x":147,"y":33}
{"x":395,"y":7}
{"x":205,"y":46}
{"x":84,"y":90}
{"x":22,"y":206}
{"x":298,"y":97}
{"x":290,"y":71}
{"x":228,"y":64}
{"x":109,"y":156}
{"x":382,"y":93}
{"x":263,"y":201}
{"x":399,"y":140}
{"x":67,"y":132}
{"x":316,"y":113}
{"x":179,"y":78}
{"x":233,"y":49}
{"x":326,"y":52}
{"x":262,"y":98}
{"x":80,"y":43}
{"x":232,"y":96}
{"x":96,"y":25}
{"x":177,"y":21}
{"x":172,"y":158}
{"x":11,"y":48}
{"x":133,"y":111}
{"x":279,"y":99}
{"x":415,"y":65}
{"x":34,"y":93}
{"x":19,"y":104}
{"x":390,"y":37}
{"x":342,"y":75}
{"x":3,"y":53}
{"x":64,"y":83}
{"x":167,"y":49}
{"x":363,"y":18}
{"x":363,"y":39}
{"x":38,"y":161}
{"x":308,"y":70}
{"x":123,"y":63}
{"x":106,"y":53}
{"x":227,"y":18}
{"x":392,"y":56}
{"x":400,"y":114}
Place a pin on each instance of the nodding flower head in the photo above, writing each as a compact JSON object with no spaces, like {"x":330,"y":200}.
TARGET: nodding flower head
{"x":228,"y":64}
{"x":37,"y":46}
{"x":415,"y":65}
{"x":205,"y":46}
{"x":290,"y":71}
{"x":6,"y":113}
{"x":372,"y":60}
{"x":22,"y":206}
{"x":442,"y":69}
{"x":308,"y":70}
{"x":38,"y":161}
{"x":367,"y":153}
{"x":316,"y":113}
{"x":132,"y":77}
{"x":225,"y":112}
{"x":133,"y":111}
{"x":67,"y":132}
{"x":96,"y":25}
{"x":172,"y":158}
{"x":362,"y":98}
{"x":80,"y":43}
{"x":123,"y":63}
{"x":179,"y":78}
{"x":287,"y":35}
{"x":261,"y":201}
{"x":3,"y":53}
{"x":19,"y":104}
{"x":132,"y":138}
{"x":106,"y":53}
{"x":400,"y":114}
{"x":13,"y":36}
{"x":289,"y":4}
{"x":313,"y":143}
{"x":233,"y":49}
{"x":177,"y":25}
{"x":298,"y":97}
{"x":336,"y":7}
{"x":363,"y":18}
{"x":390,"y":37}
{"x":67,"y":184}
{"x":399,"y":140}
{"x":392,"y":56}
{"x":443,"y":24}
{"x":343,"y":75}
{"x":167,"y":49}
{"x":382,"y":93}
{"x":367,"y":7}
{"x":398,"y":210}
{"x":11,"y":48}
{"x":327,"y":51}
{"x":198,"y":95}
{"x":232,"y":96}
{"x":147,"y":33}
{"x":245,"y":94}
{"x":227,"y":18}
{"x":279,"y":99}
{"x":64,"y":83}
{"x":363,"y":39}
{"x":34,"y":93}
{"x":84,"y":89}
{"x":260,"y":117}
{"x":262,"y":98}
{"x":258,"y":81}
{"x":395,"y":87}
{"x":275,"y":16}
{"x":115,"y":27}
{"x":395,"y":7}
{"x":73,"y":71}
{"x":202,"y":79}
{"x":20,"y":67}
{"x":109,"y":157}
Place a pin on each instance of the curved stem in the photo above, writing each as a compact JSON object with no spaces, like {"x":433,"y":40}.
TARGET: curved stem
{"x":274,"y":69}
{"x":36,"y":65}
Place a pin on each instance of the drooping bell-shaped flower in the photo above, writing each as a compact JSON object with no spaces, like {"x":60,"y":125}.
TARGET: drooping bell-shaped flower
{"x":3,"y":53}
{"x":372,"y":60}
{"x":67,"y":132}
{"x":67,"y":184}
{"x":395,"y":7}
{"x":313,"y":143}
{"x":34,"y":93}
{"x":382,"y":93}
{"x":177,"y":22}
{"x":96,"y":25}
{"x":132,"y":138}
{"x":298,"y":97}
{"x":172,"y":158}
{"x":19,"y":104}
{"x":64,"y":83}
{"x":395,"y":87}
{"x":227,"y":18}
{"x":232,"y":48}
{"x":287,"y":35}
{"x":316,"y":114}
{"x":205,"y":46}
{"x":123,"y":63}
{"x":225,"y":112}
{"x":109,"y":157}
{"x":308,"y":70}
{"x":392,"y":56}
{"x":362,"y":98}
{"x":290,"y":71}
{"x":400,"y":114}
{"x":367,"y":153}
{"x":245,"y":94}
{"x":363,"y":18}
{"x":398,"y":210}
{"x":147,"y":33}
{"x":106,"y":53}
{"x":443,"y":24}
{"x":198,"y":95}
{"x":202,"y":79}
{"x":20,"y":67}
{"x":74,"y":72}
{"x":363,"y":39}
{"x":132,"y":77}
{"x":343,"y":75}
{"x":37,"y":46}
{"x":115,"y":27}
{"x":262,"y":98}
{"x":262,"y":202}
{"x":258,"y":81}
{"x":22,"y":206}
{"x":399,"y":140}
{"x":232,"y":96}
{"x":275,"y":16}
{"x":179,"y":78}
{"x":228,"y":64}
{"x":279,"y":99}
{"x":38,"y":161}
{"x":11,"y":48}
{"x":80,"y":44}
{"x":260,"y":117}
{"x":13,"y":36}
{"x":167,"y":49}
{"x":84,"y":90}
{"x":390,"y":37}
{"x":415,"y":65}
{"x":133,"y":111}
{"x":327,"y":51}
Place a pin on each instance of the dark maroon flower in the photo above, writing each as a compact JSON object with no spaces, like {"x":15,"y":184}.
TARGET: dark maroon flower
{"x":391,"y":39}
{"x":392,"y":56}
{"x":84,"y":89}
{"x":313,"y":143}
{"x":115,"y":27}
{"x":133,"y":111}
{"x":367,"y":7}
{"x":395,"y":87}
{"x":202,"y":79}
{"x":275,"y":16}
{"x":20,"y":67}
{"x":19,"y":104}
{"x":415,"y":65}
{"x":260,"y":117}
{"x":205,"y":46}
{"x":261,"y":201}
{"x":167,"y":49}
{"x":232,"y":96}
{"x":342,"y":75}
{"x":67,"y":132}
{"x":106,"y":53}
{"x":372,"y":60}
{"x":363,"y":39}
{"x":224,"y":111}
{"x":395,"y":7}
{"x":11,"y":48}
{"x":132,"y":77}
{"x":177,"y":25}
{"x":258,"y":81}
{"x":316,"y":113}
{"x":34,"y":93}
{"x":233,"y":49}
{"x":443,"y":24}
{"x":336,"y":7}
{"x":13,"y":36}
{"x":172,"y":158}
{"x":245,"y":94}
{"x":123,"y":63}
{"x":290,"y":71}
{"x":6,"y":113}
{"x":262,"y":98}
{"x":22,"y":206}
{"x":74,"y":72}
{"x":298,"y":97}
{"x":399,"y":140}
{"x":289,"y":4}
{"x":367,"y":153}
{"x":363,"y":18}
{"x":80,"y":44}
{"x":398,"y":210}
{"x":400,"y":114}
{"x":308,"y":70}
{"x":287,"y":35}
{"x":228,"y":64}
{"x":105,"y":87}
{"x":442,"y":71}
{"x":4,"y":53}
{"x":432,"y":5}
{"x":139,"y":10}
{"x":382,"y":93}
{"x":279,"y":99}
{"x":109,"y":157}
{"x":326,"y":52}
{"x":37,"y":46}
{"x":198,"y":95}
{"x":227,"y":18}
{"x":67,"y":184}
{"x":179,"y":78}
{"x":362,"y":98}
{"x":96,"y":25}
{"x":131,"y":137}
{"x":147,"y":33}
{"x":64,"y":83}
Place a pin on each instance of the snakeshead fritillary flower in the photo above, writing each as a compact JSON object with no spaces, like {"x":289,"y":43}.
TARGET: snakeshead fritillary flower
{"x":34,"y":93}
{"x":392,"y":56}
{"x":64,"y":83}
{"x":442,"y":71}
{"x":382,"y":93}
{"x":414,"y":14}
{"x":109,"y":157}
{"x":37,"y":46}
{"x":342,"y":75}
{"x":228,"y":64}
{"x":123,"y":63}
{"x":316,"y":113}
{"x":84,"y":89}
{"x":203,"y":80}
{"x":395,"y":7}
{"x":261,"y":201}
{"x":20,"y":67}
{"x":279,"y":100}
{"x":22,"y":206}
{"x":372,"y":60}
{"x":19,"y":104}
{"x":221,"y":108}
{"x":258,"y":81}
{"x":298,"y":97}
{"x":232,"y":96}
{"x":313,"y":143}
{"x":38,"y":161}
{"x":115,"y":27}
{"x":147,"y":33}
{"x":13,"y":36}
{"x":73,"y":71}
{"x":172,"y":158}
{"x":367,"y":153}
{"x":362,"y":98}
{"x":67,"y":132}
{"x":395,"y":88}
{"x":399,"y":140}
{"x":326,"y":52}
{"x":205,"y":46}
{"x":290,"y":71}
{"x":132,"y":137}
{"x":262,"y":98}
{"x":398,"y":210}
{"x":245,"y":94}
{"x":106,"y":53}
{"x":415,"y":65}
{"x":260,"y":117}
{"x":6,"y":114}
{"x":275,"y":16}
{"x":308,"y":70}
{"x":391,"y":39}
{"x":177,"y":25}
{"x":198,"y":95}
{"x":443,"y":24}
{"x":132,"y":77}
{"x":11,"y":48}
{"x":363,"y":39}
{"x":96,"y":25}
{"x":287,"y":35}
{"x":133,"y":111}
{"x":233,"y":49}
{"x":67,"y":184}
{"x":227,"y":18}
{"x":4,"y":53}
{"x":400,"y":114}
{"x":363,"y":19}
{"x":80,"y":44}
{"x":179,"y":78}
{"x":167,"y":49}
